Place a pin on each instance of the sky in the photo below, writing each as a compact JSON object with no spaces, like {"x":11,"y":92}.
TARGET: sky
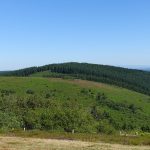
{"x":39,"y":32}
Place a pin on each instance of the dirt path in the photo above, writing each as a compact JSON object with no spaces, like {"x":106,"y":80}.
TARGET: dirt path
{"x":17,"y":143}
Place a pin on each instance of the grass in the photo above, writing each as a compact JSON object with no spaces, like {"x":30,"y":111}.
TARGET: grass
{"x":86,"y":137}
{"x":71,"y":89}
{"x":15,"y":143}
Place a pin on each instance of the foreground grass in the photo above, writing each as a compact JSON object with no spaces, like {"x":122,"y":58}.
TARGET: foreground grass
{"x":19,"y":143}
{"x":86,"y":137}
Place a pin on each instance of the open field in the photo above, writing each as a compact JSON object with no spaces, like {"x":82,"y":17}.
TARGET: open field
{"x":18,"y":143}
{"x":85,"y":137}
{"x":66,"y":105}
{"x":71,"y":88}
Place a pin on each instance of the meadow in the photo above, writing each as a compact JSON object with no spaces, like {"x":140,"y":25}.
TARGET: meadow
{"x":54,"y":108}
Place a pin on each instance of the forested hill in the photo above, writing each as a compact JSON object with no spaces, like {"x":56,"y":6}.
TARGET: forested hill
{"x":148,"y":69}
{"x":4,"y":72}
{"x":131,"y":79}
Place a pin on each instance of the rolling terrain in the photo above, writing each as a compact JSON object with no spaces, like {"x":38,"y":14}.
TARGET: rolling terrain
{"x":136,"y":80}
{"x":88,"y":100}
{"x":71,"y":104}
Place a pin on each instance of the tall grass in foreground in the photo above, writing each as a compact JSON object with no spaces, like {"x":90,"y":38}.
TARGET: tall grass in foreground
{"x":116,"y":138}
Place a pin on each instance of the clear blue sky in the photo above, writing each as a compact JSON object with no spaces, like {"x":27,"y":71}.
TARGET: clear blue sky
{"x":38,"y":32}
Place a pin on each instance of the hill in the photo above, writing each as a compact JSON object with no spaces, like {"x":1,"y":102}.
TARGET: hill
{"x":68,"y":105}
{"x":128,"y":78}
{"x":4,"y":72}
{"x":148,"y":69}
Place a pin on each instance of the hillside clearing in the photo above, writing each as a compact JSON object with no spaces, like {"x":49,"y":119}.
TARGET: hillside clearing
{"x":131,"y":79}
{"x":85,"y":106}
{"x":18,"y":143}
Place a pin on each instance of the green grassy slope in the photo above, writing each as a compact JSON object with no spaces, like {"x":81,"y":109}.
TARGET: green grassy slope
{"x":128,"y":78}
{"x":64,"y":105}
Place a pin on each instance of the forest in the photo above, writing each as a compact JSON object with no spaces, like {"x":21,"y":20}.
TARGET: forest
{"x":136,"y":80}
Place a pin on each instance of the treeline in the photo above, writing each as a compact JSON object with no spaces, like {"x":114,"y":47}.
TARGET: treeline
{"x":4,"y":72}
{"x":128,"y":78}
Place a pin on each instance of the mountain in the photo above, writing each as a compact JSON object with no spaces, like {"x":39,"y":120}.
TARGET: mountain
{"x":146,"y":69}
{"x":132,"y":79}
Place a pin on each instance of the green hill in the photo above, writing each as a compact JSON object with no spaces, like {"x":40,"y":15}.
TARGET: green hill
{"x":4,"y":72}
{"x":128,"y":78}
{"x":56,"y":104}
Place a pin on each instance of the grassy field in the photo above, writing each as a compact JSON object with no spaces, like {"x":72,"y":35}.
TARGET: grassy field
{"x":41,"y":85}
{"x":63,"y":90}
{"x":18,"y":143}
{"x":85,"y":137}
{"x":71,"y":88}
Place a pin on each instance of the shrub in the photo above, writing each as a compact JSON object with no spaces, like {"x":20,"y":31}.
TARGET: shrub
{"x":29,"y":91}
{"x":48,"y":95}
{"x":7,"y":92}
{"x":9,"y":121}
{"x":105,"y":127}
{"x":31,"y":120}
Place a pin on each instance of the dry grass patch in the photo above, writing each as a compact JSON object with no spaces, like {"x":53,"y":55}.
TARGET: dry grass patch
{"x":18,"y":143}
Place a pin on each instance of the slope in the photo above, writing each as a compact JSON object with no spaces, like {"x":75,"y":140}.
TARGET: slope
{"x":128,"y":78}
{"x":66,"y":105}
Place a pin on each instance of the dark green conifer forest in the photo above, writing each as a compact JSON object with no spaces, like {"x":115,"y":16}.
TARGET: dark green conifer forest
{"x":136,"y":80}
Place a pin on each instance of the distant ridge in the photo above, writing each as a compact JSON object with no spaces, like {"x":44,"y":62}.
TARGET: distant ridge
{"x":4,"y":72}
{"x":147,"y":69}
{"x":132,"y":79}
